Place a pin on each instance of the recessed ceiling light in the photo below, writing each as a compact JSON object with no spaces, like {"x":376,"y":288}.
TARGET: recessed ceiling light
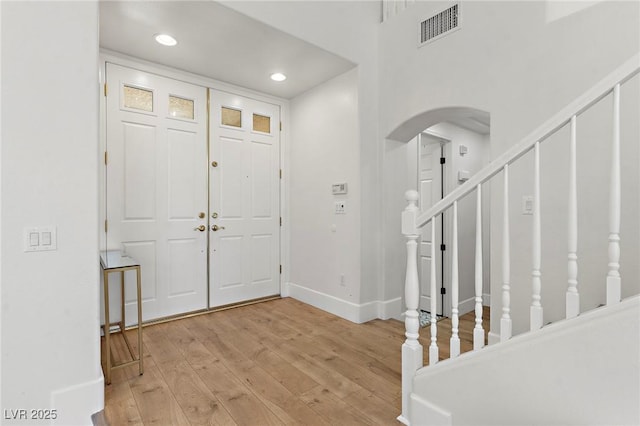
{"x":278,"y":77}
{"x":166,"y":39}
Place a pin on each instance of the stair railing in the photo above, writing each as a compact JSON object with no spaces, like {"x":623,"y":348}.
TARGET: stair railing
{"x":413,"y":221}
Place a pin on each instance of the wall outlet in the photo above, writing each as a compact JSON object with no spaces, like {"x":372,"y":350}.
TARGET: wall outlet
{"x":340,"y":207}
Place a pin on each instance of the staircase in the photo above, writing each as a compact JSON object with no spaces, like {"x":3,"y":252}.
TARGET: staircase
{"x":487,"y":375}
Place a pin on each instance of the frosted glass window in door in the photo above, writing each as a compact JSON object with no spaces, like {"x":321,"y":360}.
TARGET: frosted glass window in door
{"x":137,"y":98}
{"x":231,"y":117}
{"x":261,"y":123}
{"x":181,"y":108}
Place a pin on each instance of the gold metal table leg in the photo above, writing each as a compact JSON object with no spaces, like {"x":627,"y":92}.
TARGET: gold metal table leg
{"x":139,"y":282}
{"x":123,"y":322}
{"x":107,"y":344}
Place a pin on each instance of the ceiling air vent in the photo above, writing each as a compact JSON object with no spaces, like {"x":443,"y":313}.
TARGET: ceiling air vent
{"x":439,"y":25}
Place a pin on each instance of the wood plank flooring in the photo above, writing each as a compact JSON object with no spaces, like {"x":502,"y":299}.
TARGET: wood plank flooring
{"x":273,"y":363}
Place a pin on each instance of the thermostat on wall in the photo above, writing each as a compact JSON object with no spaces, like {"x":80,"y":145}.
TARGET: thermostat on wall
{"x":339,"y":188}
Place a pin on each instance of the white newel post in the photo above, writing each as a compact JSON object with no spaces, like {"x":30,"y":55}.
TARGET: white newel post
{"x":614,"y":285}
{"x":412,"y":358}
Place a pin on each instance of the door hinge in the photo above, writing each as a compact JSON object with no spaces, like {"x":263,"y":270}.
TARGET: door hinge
{"x":106,"y":158}
{"x":280,"y":220}
{"x":280,"y":269}
{"x":280,"y":173}
{"x":281,"y":126}
{"x":105,"y":89}
{"x":443,"y":290}
{"x":106,"y":225}
{"x":442,"y":160}
{"x":443,"y":247}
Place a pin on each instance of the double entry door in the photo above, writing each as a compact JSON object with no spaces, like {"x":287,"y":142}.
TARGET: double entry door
{"x":192,"y":191}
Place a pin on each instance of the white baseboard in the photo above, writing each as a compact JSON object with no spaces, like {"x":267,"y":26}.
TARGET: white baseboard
{"x":76,"y":404}
{"x":421,"y":409}
{"x":466,"y":306}
{"x":354,"y":312}
{"x":486,"y":299}
{"x":390,"y":309}
{"x":493,"y":338}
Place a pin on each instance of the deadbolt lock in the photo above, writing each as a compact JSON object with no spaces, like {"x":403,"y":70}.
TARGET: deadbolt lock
{"x":214,"y":163}
{"x":214,"y":215}
{"x":201,"y":215}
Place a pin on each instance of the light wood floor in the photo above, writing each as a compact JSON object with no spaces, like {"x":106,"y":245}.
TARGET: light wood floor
{"x":277,"y":362}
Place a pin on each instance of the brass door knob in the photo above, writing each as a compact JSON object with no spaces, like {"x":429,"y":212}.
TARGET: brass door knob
{"x":200,"y":228}
{"x":216,"y":227}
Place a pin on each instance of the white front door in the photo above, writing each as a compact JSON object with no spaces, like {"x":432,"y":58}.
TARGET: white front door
{"x":157,"y":187}
{"x":430,"y":186}
{"x":244,"y":199}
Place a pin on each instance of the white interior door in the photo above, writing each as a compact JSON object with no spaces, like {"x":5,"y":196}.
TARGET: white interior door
{"x":430,"y":184}
{"x":157,"y":188}
{"x":244,"y":199}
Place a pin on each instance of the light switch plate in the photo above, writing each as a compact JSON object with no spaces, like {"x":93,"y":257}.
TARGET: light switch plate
{"x":527,"y":204}
{"x":43,"y":238}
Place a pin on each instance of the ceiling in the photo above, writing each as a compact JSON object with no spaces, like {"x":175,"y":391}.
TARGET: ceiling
{"x":217,"y":42}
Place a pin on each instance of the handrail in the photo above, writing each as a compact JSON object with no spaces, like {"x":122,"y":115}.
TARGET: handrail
{"x":605,"y":86}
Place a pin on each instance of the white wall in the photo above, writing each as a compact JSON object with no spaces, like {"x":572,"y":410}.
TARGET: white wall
{"x":579,"y":372}
{"x":508,"y":59}
{"x":49,"y":314}
{"x":324,"y":150}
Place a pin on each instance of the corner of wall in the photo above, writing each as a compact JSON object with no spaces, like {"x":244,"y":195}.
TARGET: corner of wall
{"x":76,"y":404}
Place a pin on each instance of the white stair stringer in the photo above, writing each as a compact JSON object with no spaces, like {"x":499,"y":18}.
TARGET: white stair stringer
{"x":582,"y":371}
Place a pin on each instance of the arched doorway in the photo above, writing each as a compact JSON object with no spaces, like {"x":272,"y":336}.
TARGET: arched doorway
{"x":446,"y":147}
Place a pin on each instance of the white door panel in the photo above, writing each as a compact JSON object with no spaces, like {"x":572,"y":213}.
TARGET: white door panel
{"x":157,"y":187}
{"x":245,"y":259}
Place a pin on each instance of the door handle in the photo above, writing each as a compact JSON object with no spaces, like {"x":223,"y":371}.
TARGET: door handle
{"x":216,"y":227}
{"x":200,"y":228}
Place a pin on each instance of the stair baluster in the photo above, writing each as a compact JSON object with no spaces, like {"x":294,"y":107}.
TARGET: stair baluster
{"x":433,"y":347}
{"x":454,"y":341}
{"x":613,"y":276}
{"x":535,"y":312}
{"x":505,"y":321}
{"x":478,"y":331}
{"x":573,"y":297}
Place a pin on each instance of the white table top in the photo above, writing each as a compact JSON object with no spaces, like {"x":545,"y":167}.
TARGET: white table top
{"x":112,"y":259}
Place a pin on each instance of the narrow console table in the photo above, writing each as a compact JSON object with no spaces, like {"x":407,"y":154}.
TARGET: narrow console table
{"x":115,"y":261}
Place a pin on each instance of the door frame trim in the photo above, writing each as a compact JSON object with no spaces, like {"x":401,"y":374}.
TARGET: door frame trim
{"x":107,"y":56}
